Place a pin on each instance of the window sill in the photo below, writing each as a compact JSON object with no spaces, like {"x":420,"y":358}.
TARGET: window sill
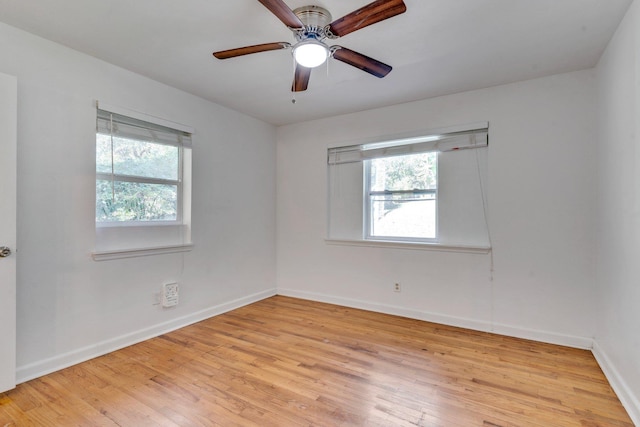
{"x":138,"y":252}
{"x":412,"y":246}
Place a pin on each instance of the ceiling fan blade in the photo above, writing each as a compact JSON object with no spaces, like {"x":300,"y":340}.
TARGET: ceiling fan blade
{"x":358,"y":60}
{"x":374,"y":12}
{"x":232,"y":53}
{"x":283,"y":13}
{"x":301,"y":79}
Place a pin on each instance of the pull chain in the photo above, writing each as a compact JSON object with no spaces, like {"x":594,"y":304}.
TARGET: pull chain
{"x":113,"y":184}
{"x":293,"y":85}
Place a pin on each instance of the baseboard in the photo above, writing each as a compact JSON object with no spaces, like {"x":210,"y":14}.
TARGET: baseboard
{"x":544,"y":336}
{"x":47,"y":366}
{"x":478,"y":325}
{"x":389,"y":309}
{"x":630,"y":402}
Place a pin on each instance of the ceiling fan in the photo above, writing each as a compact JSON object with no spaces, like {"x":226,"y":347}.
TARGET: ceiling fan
{"x":311,"y":26}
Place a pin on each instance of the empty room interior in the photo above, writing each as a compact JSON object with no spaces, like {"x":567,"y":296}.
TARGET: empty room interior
{"x":436,"y":223}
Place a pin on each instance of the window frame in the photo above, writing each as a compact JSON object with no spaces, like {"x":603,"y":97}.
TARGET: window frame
{"x":367,"y":207}
{"x":114,"y":177}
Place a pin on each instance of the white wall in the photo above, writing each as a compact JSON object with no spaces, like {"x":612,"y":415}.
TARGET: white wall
{"x":71,"y":307}
{"x":541,"y":209}
{"x":618,"y":324}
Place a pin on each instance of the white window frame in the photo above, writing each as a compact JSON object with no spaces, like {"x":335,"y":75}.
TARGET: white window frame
{"x":367,"y":220}
{"x":114,"y":177}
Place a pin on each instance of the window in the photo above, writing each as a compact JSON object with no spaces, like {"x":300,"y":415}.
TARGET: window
{"x":143,"y":171}
{"x":428,"y":189}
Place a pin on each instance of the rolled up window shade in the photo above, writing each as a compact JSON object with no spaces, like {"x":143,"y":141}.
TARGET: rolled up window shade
{"x":399,"y":147}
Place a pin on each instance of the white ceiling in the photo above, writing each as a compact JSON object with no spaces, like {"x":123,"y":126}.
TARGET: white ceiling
{"x":437,"y":47}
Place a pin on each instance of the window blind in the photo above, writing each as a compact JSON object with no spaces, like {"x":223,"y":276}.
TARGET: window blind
{"x":130,"y":128}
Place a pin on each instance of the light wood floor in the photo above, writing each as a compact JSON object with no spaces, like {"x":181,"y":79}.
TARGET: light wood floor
{"x":289,"y":362}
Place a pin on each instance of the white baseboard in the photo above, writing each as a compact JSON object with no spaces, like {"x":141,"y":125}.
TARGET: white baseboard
{"x":544,"y":336}
{"x":478,"y":325}
{"x":389,"y":309}
{"x":47,"y":366}
{"x":630,"y":402}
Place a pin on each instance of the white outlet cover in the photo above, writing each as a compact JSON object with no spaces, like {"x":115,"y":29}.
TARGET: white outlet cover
{"x":170,"y":294}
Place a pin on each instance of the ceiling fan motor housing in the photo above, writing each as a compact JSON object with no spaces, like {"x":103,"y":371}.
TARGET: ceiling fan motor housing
{"x":315,"y":19}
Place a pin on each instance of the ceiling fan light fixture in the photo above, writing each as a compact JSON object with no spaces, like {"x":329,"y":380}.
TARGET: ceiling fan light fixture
{"x":310,"y":53}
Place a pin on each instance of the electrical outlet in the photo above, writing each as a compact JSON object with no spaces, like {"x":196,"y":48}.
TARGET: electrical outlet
{"x":170,"y":294}
{"x":396,"y":287}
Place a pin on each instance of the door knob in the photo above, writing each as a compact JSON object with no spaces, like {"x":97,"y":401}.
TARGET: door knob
{"x":4,"y":251}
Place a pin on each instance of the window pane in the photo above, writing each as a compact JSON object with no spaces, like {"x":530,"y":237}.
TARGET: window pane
{"x":103,"y":153}
{"x":132,"y":201}
{"x":404,"y":215}
{"x":137,"y":158}
{"x":414,"y":171}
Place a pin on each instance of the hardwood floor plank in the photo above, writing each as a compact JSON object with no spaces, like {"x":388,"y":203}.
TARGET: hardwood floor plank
{"x":290,"y":362}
